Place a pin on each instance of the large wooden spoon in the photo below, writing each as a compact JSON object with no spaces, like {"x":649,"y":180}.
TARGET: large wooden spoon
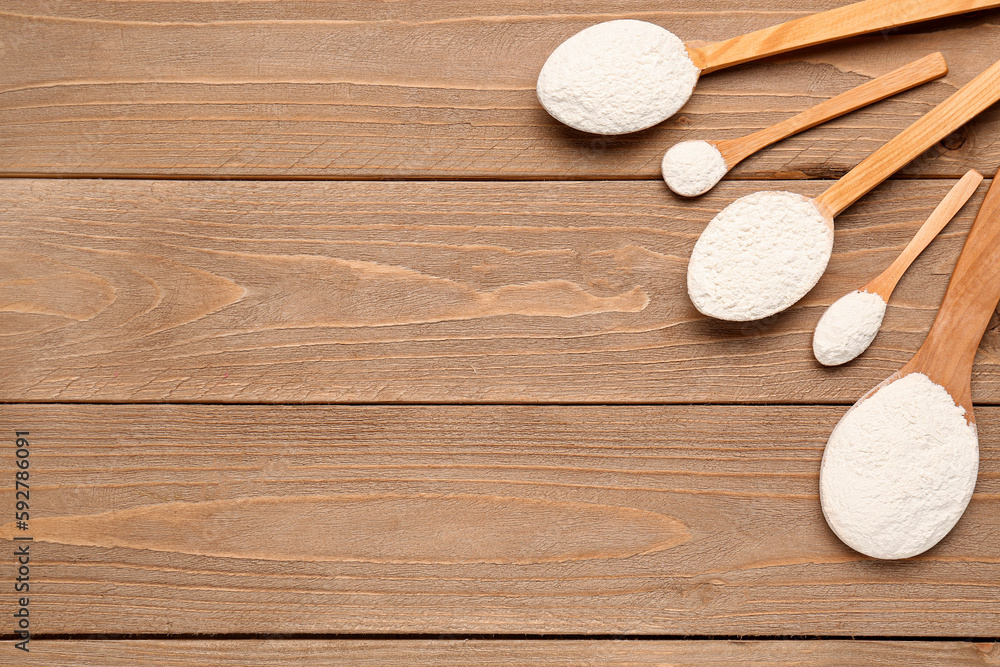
{"x":627,"y":75}
{"x":692,"y":168}
{"x":851,"y":323}
{"x":765,"y":251}
{"x":893,"y":494}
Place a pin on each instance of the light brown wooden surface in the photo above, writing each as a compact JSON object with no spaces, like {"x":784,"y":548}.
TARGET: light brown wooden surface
{"x":483,"y":519}
{"x":428,"y":89}
{"x":549,"y":269}
{"x":514,"y":653}
{"x":413,"y":292}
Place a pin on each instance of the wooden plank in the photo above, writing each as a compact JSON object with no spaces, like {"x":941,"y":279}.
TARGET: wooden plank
{"x":373,"y":89}
{"x":426,"y":292}
{"x":475,"y":519}
{"x":515,"y":653}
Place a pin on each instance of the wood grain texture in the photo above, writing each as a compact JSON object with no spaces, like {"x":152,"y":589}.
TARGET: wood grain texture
{"x":427,"y":292}
{"x":510,"y":653}
{"x":474,"y":519}
{"x":337,"y":89}
{"x":175,"y":519}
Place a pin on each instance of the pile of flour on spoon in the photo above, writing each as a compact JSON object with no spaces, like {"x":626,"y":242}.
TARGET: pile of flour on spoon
{"x":758,"y":256}
{"x":899,"y":469}
{"x":692,"y":168}
{"x":616,"y":77}
{"x":848,"y":327}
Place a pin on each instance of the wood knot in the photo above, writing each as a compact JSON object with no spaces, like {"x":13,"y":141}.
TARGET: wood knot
{"x":956,"y":139}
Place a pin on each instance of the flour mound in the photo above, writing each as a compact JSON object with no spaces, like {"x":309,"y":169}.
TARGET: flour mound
{"x":899,"y":469}
{"x":758,"y":256}
{"x":692,"y":168}
{"x":848,"y":327}
{"x":617,"y":77}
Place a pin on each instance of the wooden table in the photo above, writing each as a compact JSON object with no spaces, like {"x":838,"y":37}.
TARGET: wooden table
{"x":333,"y":348}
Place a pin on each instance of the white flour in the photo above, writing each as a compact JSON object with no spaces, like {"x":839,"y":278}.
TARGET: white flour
{"x":616,"y":77}
{"x":691,"y":168}
{"x":758,"y":256}
{"x":848,"y":327}
{"x":899,"y":469}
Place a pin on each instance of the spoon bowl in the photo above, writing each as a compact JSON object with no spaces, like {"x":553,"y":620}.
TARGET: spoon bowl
{"x":617,"y":77}
{"x":626,"y":75}
{"x":899,"y":469}
{"x":900,"y":466}
{"x":759,"y":255}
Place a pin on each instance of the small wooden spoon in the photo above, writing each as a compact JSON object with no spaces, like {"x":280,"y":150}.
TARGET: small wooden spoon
{"x":885,"y":282}
{"x":722,"y":289}
{"x":851,"y":323}
{"x":626,"y":75}
{"x":878,"y":514}
{"x":688,"y":180}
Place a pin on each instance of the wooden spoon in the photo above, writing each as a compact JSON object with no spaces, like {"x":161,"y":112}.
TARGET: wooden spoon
{"x":626,"y":75}
{"x":885,"y":282}
{"x":786,"y":268}
{"x":851,"y":323}
{"x":690,"y":179}
{"x":894,"y":498}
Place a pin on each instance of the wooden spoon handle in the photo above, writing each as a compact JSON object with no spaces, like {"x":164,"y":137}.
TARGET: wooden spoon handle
{"x":906,"y":77}
{"x":946,"y":117}
{"x":847,"y":21}
{"x":973,"y":292}
{"x":941,"y":216}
